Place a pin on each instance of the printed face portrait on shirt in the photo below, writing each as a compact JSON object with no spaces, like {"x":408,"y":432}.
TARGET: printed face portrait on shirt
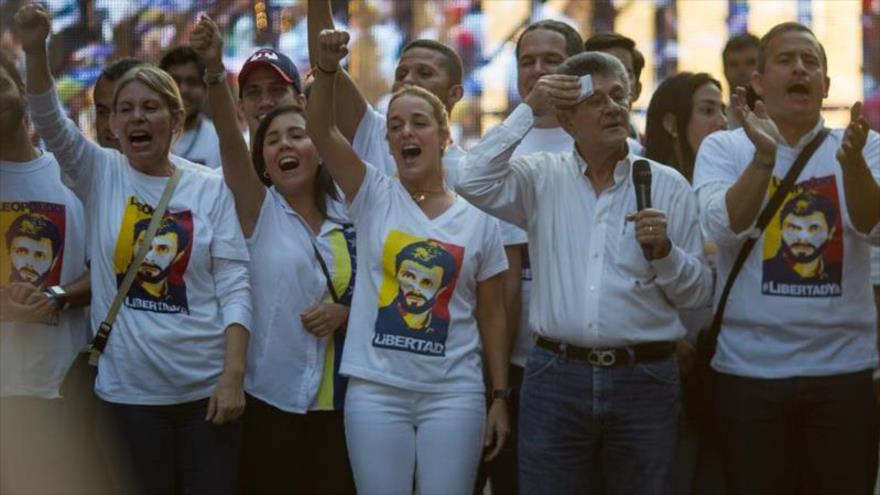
{"x":420,"y":276}
{"x":804,"y":247}
{"x":159,"y":285}
{"x":806,"y":229}
{"x":165,"y":249}
{"x":421,"y":282}
{"x":34,"y":239}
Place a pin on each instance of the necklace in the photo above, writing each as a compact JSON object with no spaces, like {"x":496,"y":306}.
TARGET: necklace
{"x":420,"y":196}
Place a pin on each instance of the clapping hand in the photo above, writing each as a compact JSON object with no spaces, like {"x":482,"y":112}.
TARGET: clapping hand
{"x":759,"y":127}
{"x":854,"y":138}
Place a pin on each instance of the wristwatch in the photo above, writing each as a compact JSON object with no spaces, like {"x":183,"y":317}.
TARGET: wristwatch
{"x":57,"y":297}
{"x":504,"y":394}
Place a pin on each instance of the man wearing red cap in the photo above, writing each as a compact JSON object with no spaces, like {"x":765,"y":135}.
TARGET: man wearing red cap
{"x":267,"y":80}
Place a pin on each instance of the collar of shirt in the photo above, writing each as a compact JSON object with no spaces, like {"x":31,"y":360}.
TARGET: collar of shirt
{"x":806,"y":138}
{"x":454,"y":152}
{"x":621,"y":168}
{"x":327,"y":226}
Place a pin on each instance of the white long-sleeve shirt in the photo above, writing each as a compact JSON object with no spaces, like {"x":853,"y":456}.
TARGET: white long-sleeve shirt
{"x":592,"y":284}
{"x":166,"y":347}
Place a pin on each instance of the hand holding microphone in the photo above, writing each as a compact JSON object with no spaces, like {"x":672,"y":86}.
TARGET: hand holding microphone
{"x":650,"y":224}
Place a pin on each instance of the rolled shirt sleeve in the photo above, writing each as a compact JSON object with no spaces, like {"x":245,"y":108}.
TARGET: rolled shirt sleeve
{"x":232,"y":280}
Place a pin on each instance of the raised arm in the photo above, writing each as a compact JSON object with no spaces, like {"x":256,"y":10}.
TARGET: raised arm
{"x":489,"y":179}
{"x":859,"y":185}
{"x":74,"y":152}
{"x":238,"y":171}
{"x":745,"y":198}
{"x":344,"y":165}
{"x":351,"y":103}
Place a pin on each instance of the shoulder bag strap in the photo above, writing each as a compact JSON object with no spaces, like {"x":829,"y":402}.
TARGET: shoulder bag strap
{"x":100,"y":340}
{"x":763,"y":220}
{"x":327,"y":276}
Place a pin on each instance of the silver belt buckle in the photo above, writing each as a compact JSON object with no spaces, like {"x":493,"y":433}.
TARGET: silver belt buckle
{"x":602,"y":357}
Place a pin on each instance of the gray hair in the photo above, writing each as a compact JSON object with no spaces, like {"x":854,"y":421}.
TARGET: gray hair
{"x":595,"y":63}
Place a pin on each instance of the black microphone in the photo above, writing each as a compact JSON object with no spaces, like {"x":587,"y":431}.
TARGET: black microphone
{"x":642,"y":182}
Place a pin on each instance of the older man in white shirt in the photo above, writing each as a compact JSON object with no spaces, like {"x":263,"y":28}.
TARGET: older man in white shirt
{"x":601,"y":386}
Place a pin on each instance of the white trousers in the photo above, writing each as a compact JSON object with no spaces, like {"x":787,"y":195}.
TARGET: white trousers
{"x":393,"y":434}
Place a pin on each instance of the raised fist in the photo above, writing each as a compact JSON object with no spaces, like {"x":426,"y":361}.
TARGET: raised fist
{"x":32,"y":26}
{"x":207,"y":41}
{"x":331,"y":49}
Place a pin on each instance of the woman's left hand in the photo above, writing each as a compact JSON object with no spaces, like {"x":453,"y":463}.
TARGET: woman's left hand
{"x":323,"y":319}
{"x":227,"y":402}
{"x":497,"y":429}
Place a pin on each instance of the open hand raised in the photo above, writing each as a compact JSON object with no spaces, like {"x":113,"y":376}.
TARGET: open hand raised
{"x":759,"y":127}
{"x":854,"y":138}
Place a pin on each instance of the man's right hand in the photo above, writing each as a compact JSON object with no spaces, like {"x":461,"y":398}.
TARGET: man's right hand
{"x":25,"y":303}
{"x":759,"y":127}
{"x":207,"y":41}
{"x":332,"y":47}
{"x":553,"y":91}
{"x":32,"y":26}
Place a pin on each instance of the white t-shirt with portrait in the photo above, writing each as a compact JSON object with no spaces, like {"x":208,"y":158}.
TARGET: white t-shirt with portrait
{"x":167,"y":346}
{"x":413,"y":317}
{"x":807,"y":311}
{"x":168,"y":342}
{"x":43,"y":244}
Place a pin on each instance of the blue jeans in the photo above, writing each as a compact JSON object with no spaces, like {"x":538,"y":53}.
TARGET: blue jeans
{"x":582,"y":427}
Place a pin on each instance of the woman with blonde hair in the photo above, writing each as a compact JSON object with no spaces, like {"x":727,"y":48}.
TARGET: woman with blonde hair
{"x":171,"y":374}
{"x":427,"y":299}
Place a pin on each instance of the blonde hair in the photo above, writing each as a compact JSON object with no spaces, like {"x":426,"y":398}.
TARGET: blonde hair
{"x":157,"y":80}
{"x":437,"y":107}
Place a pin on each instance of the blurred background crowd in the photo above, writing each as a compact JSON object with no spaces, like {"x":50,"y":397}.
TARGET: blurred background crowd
{"x":674,"y":35}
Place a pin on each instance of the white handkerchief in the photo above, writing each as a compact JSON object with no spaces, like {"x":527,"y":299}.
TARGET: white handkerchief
{"x":586,"y":88}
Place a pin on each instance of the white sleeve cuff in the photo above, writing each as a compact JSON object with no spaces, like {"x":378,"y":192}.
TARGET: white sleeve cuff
{"x":237,"y":312}
{"x":521,"y":120}
{"x":669,"y":267}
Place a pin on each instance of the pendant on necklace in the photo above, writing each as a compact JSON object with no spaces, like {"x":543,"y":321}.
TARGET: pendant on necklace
{"x":418,"y":197}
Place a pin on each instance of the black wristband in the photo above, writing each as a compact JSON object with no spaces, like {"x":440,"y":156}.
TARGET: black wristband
{"x":504,"y":394}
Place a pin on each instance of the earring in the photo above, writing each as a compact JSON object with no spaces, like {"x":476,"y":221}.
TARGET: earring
{"x":265,"y":174}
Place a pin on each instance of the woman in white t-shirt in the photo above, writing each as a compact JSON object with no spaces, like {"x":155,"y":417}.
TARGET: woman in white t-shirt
{"x":294,"y":439}
{"x":428,"y":289}
{"x":171,"y":375}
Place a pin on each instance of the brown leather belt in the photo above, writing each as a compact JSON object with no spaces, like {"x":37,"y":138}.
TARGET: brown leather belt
{"x":652,"y":351}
